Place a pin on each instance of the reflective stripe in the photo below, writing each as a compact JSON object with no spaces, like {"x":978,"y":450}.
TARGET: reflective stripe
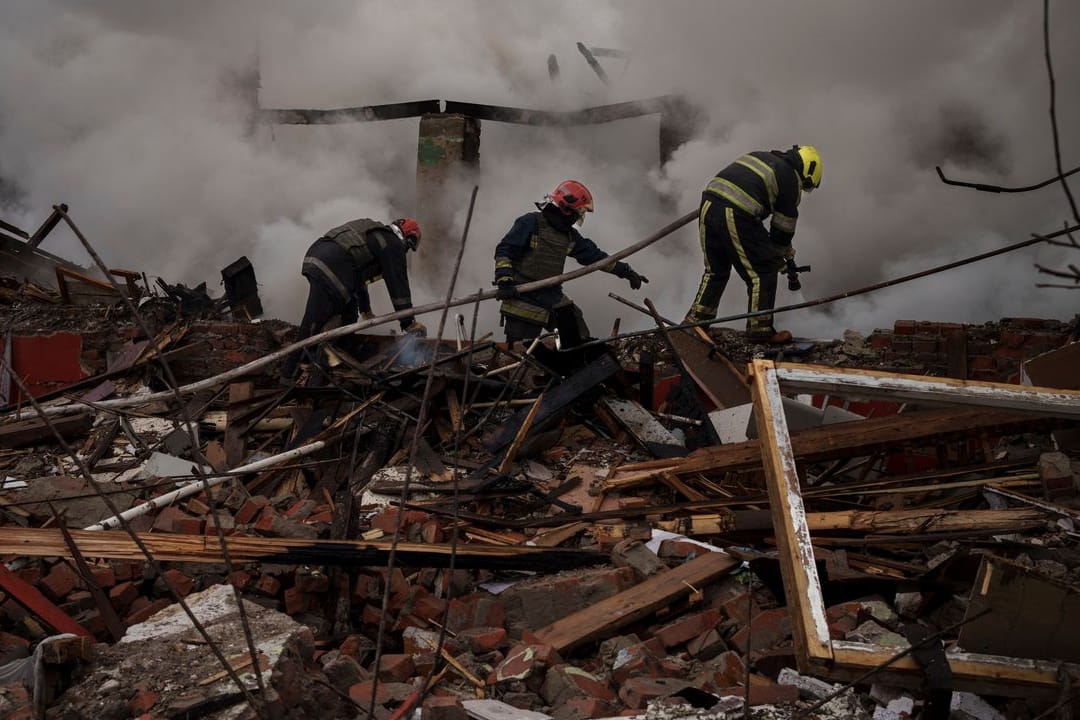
{"x":735,"y":195}
{"x":754,"y":291}
{"x":399,"y":302}
{"x":525,"y":310}
{"x":315,"y":263}
{"x":782,"y":222}
{"x":765,"y":172}
{"x":504,"y":263}
{"x":703,"y":312}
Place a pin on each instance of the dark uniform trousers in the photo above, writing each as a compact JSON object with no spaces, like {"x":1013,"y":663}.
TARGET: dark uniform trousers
{"x":326,"y":306}
{"x":732,"y":238}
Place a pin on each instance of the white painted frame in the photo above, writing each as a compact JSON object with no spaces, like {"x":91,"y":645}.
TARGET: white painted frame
{"x":816,"y":652}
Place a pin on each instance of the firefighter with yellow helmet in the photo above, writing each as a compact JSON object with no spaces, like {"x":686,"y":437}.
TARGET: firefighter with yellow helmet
{"x":731,"y":226}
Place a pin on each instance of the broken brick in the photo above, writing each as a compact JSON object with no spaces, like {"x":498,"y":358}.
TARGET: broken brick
{"x":443,"y":708}
{"x":251,"y":508}
{"x":687,"y":627}
{"x":143,"y":699}
{"x":395,"y":668}
{"x":768,"y":629}
{"x":637,"y":692}
{"x":180,"y":582}
{"x":524,"y":661}
{"x":480,"y":640}
{"x":563,"y":682}
{"x":60,"y":581}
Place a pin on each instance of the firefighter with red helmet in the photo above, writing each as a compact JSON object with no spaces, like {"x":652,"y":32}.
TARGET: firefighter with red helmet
{"x":536,"y":248}
{"x":341,"y":264}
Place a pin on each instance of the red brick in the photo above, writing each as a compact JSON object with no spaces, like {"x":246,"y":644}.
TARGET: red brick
{"x":429,"y":607}
{"x":300,"y":510}
{"x":707,"y":645}
{"x":60,"y":581}
{"x":223,"y":520}
{"x":563,"y":682}
{"x":727,"y":669}
{"x":525,"y":661}
{"x":482,"y":640}
{"x":687,"y":627}
{"x":634,"y":661}
{"x":767,"y":629}
{"x":981,"y":362}
{"x":267,"y":585}
{"x":371,"y":615}
{"x":251,"y":509}
{"x":141,"y":615}
{"x":880,"y":341}
{"x":103,"y":576}
{"x":740,"y":608}
{"x":431,"y":532}
{"x":475,"y":611}
{"x":323,"y":516}
{"x":385,"y":693}
{"x":312,"y":583}
{"x":196,"y":506}
{"x":904,"y":327}
{"x":366,"y":588}
{"x":266,"y":520}
{"x":123,"y":595}
{"x":241,"y":579}
{"x":396,"y":668}
{"x":443,"y":708}
{"x":296,"y":601}
{"x":167,"y":517}
{"x":143,"y":699}
{"x":189,"y":526}
{"x":181,"y":582}
{"x":679,"y":549}
{"x":637,"y":692}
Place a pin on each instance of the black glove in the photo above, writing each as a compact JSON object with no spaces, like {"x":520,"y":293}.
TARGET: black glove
{"x":506,"y":291}
{"x":635,"y":279}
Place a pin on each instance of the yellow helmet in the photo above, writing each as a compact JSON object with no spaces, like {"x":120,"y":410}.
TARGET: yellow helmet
{"x":810,"y":166}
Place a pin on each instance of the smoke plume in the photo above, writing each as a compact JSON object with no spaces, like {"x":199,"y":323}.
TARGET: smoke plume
{"x":138,"y":114}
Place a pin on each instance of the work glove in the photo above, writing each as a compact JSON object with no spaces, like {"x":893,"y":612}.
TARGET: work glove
{"x":635,"y":279}
{"x":416,"y":329}
{"x":788,"y":252}
{"x":506,"y":291}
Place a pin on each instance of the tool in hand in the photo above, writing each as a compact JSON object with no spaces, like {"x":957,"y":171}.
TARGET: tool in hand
{"x":792,"y":271}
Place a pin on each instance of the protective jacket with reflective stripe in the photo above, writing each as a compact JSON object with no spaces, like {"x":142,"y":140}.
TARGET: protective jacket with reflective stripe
{"x":762,"y":183}
{"x":377,"y":253}
{"x":535,"y":249}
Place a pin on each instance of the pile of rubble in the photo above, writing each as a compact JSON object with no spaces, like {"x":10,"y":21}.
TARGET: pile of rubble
{"x":672,"y":526}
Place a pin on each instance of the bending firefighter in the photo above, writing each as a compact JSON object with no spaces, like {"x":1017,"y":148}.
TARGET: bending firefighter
{"x":536,"y":248}
{"x":731,"y":225}
{"x":339,"y":266}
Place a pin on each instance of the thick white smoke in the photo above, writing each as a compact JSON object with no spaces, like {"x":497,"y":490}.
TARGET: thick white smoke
{"x":137,"y":114}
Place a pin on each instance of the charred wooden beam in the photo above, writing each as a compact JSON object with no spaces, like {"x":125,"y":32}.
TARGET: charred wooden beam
{"x":363,"y":113}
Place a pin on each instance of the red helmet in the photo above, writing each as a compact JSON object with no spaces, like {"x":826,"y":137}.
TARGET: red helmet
{"x":410,"y":231}
{"x":572,"y":198}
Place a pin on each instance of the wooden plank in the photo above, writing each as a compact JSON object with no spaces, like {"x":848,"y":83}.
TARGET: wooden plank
{"x":523,"y":431}
{"x":235,"y":445}
{"x":972,"y":672}
{"x":918,"y":388}
{"x":36,"y":603}
{"x":833,"y":441}
{"x":644,"y":428}
{"x":556,"y":400}
{"x":796,"y":553}
{"x":714,"y":374}
{"x":606,"y":616}
{"x":118,"y":545}
{"x":28,"y":432}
